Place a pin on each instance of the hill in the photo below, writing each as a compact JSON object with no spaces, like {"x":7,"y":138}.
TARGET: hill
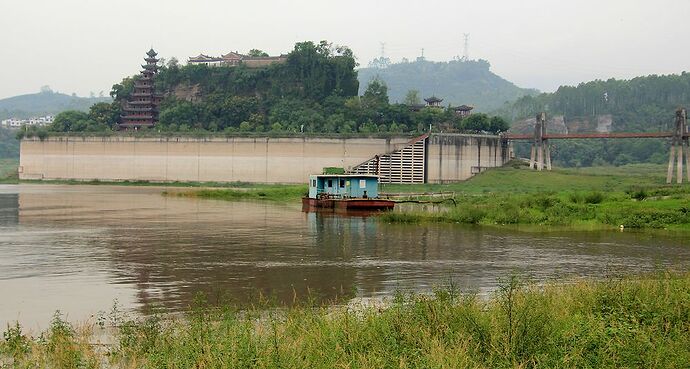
{"x":314,"y":90}
{"x":640,"y":104}
{"x":457,"y":82}
{"x":46,"y":102}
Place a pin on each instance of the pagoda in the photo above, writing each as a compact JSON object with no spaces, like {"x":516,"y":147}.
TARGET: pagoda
{"x":141,"y":109}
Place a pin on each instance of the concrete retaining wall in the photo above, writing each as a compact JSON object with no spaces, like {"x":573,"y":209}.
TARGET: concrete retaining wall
{"x":260,"y":160}
{"x":456,"y":157}
{"x":264,"y":160}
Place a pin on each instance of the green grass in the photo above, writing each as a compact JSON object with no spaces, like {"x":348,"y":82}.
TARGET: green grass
{"x":641,"y":322}
{"x":592,"y":198}
{"x":279,"y":193}
{"x":8,"y":170}
{"x":510,"y":179}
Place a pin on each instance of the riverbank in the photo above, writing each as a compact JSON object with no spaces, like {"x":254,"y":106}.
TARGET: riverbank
{"x":592,"y":198}
{"x":618,"y":322}
{"x":257,"y":192}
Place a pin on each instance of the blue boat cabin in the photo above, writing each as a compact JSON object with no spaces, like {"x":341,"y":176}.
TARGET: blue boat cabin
{"x":343,"y":186}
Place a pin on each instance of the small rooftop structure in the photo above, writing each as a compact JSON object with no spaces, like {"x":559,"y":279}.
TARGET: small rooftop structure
{"x":433,"y":101}
{"x":462,"y":110}
{"x":343,"y":186}
{"x":203,"y":59}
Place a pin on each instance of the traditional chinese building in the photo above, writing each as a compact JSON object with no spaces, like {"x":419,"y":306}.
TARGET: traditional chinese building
{"x":234,"y":58}
{"x":462,"y":110}
{"x":141,"y":110}
{"x":203,"y":59}
{"x":433,"y":102}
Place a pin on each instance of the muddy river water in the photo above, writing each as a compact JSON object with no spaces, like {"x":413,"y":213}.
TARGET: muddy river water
{"x":78,"y":249}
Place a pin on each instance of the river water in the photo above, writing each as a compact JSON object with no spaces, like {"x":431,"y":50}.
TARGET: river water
{"x":78,"y":249}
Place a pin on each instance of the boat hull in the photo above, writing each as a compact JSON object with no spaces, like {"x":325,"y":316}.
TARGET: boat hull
{"x":348,"y":204}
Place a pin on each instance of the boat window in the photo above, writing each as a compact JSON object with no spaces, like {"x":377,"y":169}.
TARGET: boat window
{"x":342,"y":183}
{"x":362,"y":183}
{"x":330,"y":183}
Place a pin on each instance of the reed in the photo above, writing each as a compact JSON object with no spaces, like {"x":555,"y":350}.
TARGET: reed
{"x":640,"y":322}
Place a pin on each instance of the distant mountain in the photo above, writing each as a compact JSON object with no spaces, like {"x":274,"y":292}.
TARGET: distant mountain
{"x":456,"y":82}
{"x":44,"y":103}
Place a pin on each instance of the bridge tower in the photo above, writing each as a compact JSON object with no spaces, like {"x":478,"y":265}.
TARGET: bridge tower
{"x":541,"y":151}
{"x":678,"y":142}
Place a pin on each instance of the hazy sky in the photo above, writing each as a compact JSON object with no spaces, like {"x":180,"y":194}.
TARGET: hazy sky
{"x":82,"y":46}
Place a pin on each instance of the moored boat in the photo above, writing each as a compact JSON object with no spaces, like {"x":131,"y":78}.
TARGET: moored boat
{"x":345,"y":192}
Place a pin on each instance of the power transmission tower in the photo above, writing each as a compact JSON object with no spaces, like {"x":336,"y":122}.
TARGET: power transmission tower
{"x":466,"y":49}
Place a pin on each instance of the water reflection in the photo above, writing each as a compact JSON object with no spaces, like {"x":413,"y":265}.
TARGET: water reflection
{"x":76,"y":248}
{"x":9,"y":209}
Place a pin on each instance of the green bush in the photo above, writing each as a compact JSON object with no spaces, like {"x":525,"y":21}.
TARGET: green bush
{"x":594,"y":197}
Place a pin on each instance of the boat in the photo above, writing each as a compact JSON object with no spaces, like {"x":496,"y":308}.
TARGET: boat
{"x":349,"y":192}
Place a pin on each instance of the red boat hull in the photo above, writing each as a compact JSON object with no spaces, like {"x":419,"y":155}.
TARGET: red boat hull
{"x":348,"y":204}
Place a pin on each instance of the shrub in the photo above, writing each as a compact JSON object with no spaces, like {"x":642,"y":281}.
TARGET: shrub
{"x":594,"y":197}
{"x":637,"y":193}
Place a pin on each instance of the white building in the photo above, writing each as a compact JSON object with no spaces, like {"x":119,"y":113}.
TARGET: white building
{"x":15,"y":123}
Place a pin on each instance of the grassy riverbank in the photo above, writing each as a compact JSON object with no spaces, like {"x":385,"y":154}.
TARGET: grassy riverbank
{"x":8,"y":171}
{"x":278,"y":193}
{"x":635,"y":197}
{"x":616,"y":323}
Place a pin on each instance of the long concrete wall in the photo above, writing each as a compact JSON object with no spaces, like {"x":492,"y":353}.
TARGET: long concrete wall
{"x":264,"y":160}
{"x":260,"y":160}
{"x":457,"y":157}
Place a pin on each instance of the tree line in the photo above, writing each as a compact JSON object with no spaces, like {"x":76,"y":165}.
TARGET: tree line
{"x":314,"y":91}
{"x":641,"y":104}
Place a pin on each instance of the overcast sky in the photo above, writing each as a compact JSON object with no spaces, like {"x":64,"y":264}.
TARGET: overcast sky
{"x":86,"y":46}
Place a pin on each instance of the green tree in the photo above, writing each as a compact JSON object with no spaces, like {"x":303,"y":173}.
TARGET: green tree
{"x":105,"y":114}
{"x":257,"y":53}
{"x":376,"y":94}
{"x":412,"y":98}
{"x":497,"y":125}
{"x":70,"y":121}
{"x":476,"y":123}
{"x":121,"y":91}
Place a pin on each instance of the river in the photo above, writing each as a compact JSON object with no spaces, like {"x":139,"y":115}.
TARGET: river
{"x":79,"y":249}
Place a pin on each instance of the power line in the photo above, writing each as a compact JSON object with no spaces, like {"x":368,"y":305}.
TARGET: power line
{"x":466,"y":49}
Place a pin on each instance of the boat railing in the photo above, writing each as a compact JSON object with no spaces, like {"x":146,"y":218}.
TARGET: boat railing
{"x":323,"y":194}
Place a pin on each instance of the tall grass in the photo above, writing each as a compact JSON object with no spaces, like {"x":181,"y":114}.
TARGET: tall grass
{"x":562,"y":198}
{"x":628,"y":322}
{"x":264,"y":192}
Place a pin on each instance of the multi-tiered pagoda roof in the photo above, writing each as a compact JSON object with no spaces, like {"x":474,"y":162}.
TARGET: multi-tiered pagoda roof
{"x":141,"y":109}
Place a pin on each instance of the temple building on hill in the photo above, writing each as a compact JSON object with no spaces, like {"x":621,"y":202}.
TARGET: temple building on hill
{"x":203,"y":59}
{"x":233,"y":59}
{"x":462,"y":110}
{"x":433,"y":102}
{"x":141,"y":109}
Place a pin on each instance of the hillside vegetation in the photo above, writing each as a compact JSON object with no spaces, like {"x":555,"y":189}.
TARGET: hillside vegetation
{"x":457,"y":82}
{"x":9,"y":145}
{"x":641,"y":104}
{"x":45,"y":102}
{"x":314,"y":92}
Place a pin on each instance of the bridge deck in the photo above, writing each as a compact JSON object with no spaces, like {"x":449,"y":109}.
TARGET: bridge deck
{"x":561,"y":136}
